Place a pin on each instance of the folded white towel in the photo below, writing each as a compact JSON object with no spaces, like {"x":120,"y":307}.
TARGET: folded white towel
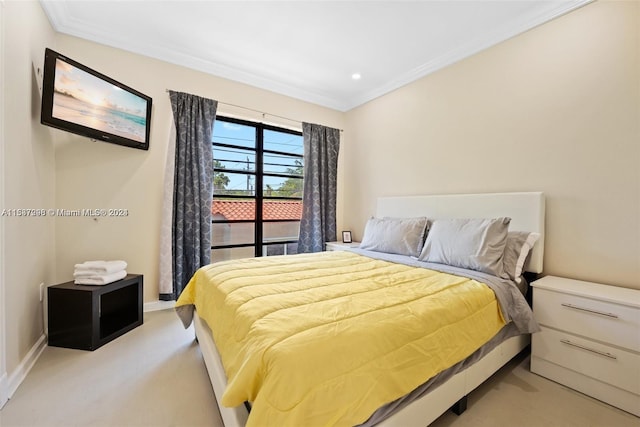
{"x":100,"y":267}
{"x":101,"y":279}
{"x":91,"y":273}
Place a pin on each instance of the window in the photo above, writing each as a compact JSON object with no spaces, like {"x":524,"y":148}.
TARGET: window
{"x":257,"y":189}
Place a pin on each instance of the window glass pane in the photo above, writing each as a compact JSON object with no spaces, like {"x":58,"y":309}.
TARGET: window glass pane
{"x":233,"y":210}
{"x":234,"y":134}
{"x":232,"y":234}
{"x":233,"y":253}
{"x":233,"y":183}
{"x":284,"y":142}
{"x":279,"y":231}
{"x":234,"y":159}
{"x":276,"y":186}
{"x":292,"y":248}
{"x":280,"y":249}
{"x":281,"y":210}
{"x":281,"y":163}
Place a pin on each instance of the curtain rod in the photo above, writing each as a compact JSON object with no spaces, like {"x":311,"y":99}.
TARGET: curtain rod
{"x":257,"y":111}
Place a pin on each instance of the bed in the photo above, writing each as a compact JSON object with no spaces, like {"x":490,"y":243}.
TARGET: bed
{"x":274,"y":376}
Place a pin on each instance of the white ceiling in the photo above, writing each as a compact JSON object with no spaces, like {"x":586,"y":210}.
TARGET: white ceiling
{"x":306,"y":49}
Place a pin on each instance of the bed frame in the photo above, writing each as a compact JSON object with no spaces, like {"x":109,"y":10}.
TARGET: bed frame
{"x":527,"y":214}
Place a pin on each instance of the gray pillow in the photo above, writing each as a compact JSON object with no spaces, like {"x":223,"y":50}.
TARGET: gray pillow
{"x":473,"y":243}
{"x":403,"y":236}
{"x":516,"y":252}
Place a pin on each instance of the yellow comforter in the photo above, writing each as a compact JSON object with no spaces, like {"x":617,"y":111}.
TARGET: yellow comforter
{"x":326,"y":339}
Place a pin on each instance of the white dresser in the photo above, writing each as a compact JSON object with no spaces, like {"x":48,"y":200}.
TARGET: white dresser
{"x":590,"y":339}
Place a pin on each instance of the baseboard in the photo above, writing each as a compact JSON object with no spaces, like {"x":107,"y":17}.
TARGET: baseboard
{"x":158,"y":305}
{"x":25,"y":366}
{"x":4,"y":389}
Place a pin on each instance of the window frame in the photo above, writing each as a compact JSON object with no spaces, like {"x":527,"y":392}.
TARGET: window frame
{"x":259,"y":175}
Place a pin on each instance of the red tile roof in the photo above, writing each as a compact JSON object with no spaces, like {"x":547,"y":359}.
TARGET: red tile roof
{"x":245,"y":209}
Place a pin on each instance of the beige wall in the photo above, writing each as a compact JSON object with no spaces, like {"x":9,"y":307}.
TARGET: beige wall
{"x":556,"y":109}
{"x":98,"y":175}
{"x":4,"y":380}
{"x":28,"y":179}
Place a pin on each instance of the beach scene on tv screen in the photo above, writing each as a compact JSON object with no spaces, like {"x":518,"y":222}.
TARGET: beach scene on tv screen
{"x":84,"y":99}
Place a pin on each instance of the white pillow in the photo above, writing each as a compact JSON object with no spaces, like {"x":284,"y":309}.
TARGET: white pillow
{"x":471,"y":243}
{"x":516,"y":251}
{"x":403,"y":236}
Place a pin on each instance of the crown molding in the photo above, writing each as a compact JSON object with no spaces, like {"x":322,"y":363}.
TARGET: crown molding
{"x":61,"y":21}
{"x":488,"y":40}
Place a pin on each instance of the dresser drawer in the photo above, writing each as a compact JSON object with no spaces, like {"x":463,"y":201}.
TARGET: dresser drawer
{"x":610,"y":365}
{"x":601,"y":320}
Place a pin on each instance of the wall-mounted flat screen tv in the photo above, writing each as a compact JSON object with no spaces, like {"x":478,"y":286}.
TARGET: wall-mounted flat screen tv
{"x":80,"y":100}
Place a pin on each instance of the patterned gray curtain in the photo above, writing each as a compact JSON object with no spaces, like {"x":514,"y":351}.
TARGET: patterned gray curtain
{"x":193,"y":187}
{"x":318,"y":223}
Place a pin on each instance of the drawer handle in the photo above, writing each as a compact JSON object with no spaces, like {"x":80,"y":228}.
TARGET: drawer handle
{"x":601,"y":313}
{"x":601,"y":353}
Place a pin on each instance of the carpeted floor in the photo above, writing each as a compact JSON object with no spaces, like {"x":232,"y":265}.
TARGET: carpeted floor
{"x":155,"y":376}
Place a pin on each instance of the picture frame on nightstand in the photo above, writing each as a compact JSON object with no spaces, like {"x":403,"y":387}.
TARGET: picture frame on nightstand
{"x":346,"y":237}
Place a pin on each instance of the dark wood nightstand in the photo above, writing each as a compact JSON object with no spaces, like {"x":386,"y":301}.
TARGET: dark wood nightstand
{"x":87,"y":317}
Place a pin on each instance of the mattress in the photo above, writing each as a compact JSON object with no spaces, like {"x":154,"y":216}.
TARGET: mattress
{"x":329,"y":338}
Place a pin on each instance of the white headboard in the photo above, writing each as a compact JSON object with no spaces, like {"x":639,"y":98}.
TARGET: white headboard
{"x":526,"y":211}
